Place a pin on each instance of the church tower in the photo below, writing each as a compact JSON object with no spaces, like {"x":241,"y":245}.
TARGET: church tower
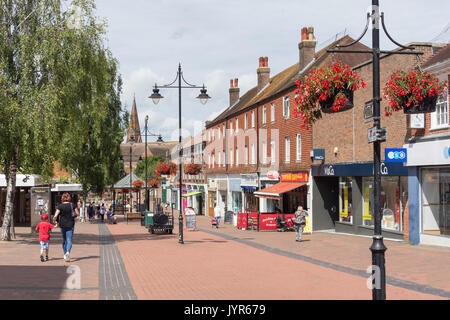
{"x":134,"y":129}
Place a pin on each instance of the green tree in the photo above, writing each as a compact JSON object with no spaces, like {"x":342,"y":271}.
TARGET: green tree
{"x":152,"y":162}
{"x":59,"y":94}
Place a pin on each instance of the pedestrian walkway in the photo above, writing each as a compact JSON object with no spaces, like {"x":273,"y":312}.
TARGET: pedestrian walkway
{"x":125,"y":262}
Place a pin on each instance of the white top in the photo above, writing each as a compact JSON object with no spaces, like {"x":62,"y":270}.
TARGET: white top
{"x":217,"y":211}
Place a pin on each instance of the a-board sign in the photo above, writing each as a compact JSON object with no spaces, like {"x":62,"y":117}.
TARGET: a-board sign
{"x":189,"y":215}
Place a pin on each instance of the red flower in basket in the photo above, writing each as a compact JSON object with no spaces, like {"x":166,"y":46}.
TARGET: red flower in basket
{"x":138,"y":184}
{"x":325,"y":90}
{"x":414,"y":91}
{"x":153,"y":183}
{"x":166,"y":169}
{"x":193,"y":169}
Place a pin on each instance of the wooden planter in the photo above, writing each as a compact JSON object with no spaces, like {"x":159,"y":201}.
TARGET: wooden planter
{"x":328,"y":103}
{"x":427,"y":105}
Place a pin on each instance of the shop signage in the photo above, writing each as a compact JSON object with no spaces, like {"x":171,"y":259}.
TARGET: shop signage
{"x":368,"y":111}
{"x":417,"y":121}
{"x":249,"y":180}
{"x":428,"y":153}
{"x":319,"y":154}
{"x":395,"y":155}
{"x":273,"y":175}
{"x":212,"y":184}
{"x":295,"y":177}
{"x":364,"y":169}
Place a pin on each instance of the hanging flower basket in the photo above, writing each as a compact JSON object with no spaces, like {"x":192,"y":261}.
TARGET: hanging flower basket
{"x":193,"y":169}
{"x":153,"y":183}
{"x":138,"y":184}
{"x":326,"y":90}
{"x":164,"y":168}
{"x":414,"y":92}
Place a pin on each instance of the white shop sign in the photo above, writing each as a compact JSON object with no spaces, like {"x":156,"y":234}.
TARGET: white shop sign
{"x":428,"y":153}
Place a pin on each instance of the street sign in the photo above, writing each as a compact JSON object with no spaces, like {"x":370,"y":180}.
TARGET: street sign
{"x":374,"y":134}
{"x":395,"y":155}
{"x":368,"y":111}
{"x":319,"y":154}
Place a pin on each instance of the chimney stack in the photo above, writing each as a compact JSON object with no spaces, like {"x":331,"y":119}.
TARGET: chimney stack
{"x":234,"y":91}
{"x":307,"y":47}
{"x":263,"y":72}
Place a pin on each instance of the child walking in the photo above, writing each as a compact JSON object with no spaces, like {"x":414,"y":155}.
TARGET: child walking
{"x":44,"y":236}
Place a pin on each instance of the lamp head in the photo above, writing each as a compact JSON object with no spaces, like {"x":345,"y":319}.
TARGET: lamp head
{"x":203,"y":96}
{"x":160,"y":140}
{"x":155,"y":95}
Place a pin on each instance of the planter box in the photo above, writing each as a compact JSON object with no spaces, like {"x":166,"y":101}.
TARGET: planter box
{"x":426,"y":106}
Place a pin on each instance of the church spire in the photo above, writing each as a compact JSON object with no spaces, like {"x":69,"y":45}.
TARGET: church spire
{"x":134,"y":129}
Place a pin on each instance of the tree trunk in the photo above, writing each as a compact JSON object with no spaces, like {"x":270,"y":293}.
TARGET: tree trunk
{"x":9,"y":205}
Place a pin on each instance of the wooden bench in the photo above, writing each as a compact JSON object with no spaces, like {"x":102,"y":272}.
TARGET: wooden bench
{"x":132,"y":215}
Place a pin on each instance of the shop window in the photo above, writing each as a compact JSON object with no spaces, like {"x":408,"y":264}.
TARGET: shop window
{"x":436,"y":201}
{"x":345,"y":200}
{"x":394,"y":193}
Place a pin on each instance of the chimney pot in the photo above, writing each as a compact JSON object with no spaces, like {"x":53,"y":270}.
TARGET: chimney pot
{"x":307,"y":47}
{"x":261,"y":62}
{"x":236,"y":83}
{"x":266,"y":62}
{"x":231,"y":83}
{"x":304,"y":33}
{"x":263,"y":72}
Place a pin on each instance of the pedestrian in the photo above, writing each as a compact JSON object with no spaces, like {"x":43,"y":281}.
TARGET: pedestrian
{"x":44,"y":236}
{"x":79,"y":205}
{"x":300,"y":223}
{"x":66,"y":213}
{"x":102,"y":212}
{"x":217,"y":214}
{"x":90,"y":211}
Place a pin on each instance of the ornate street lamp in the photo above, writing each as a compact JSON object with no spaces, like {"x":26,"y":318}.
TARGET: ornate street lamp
{"x":203,"y":97}
{"x":378,"y":248}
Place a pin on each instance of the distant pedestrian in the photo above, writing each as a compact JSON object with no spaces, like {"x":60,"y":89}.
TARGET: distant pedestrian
{"x":90,"y":211}
{"x":66,"y":213}
{"x":102,"y":212}
{"x":44,"y":236}
{"x":217,"y":214}
{"x":79,"y":205}
{"x":300,"y":223}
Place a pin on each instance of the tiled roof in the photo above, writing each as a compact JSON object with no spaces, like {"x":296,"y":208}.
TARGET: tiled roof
{"x":440,"y":56}
{"x":286,"y":78}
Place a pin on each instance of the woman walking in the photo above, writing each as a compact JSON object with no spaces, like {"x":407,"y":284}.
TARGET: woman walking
{"x":65,"y":214}
{"x":300,"y":223}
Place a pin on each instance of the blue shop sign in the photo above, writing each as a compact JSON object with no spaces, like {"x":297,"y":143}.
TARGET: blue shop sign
{"x":360,"y":169}
{"x":319,"y":154}
{"x":395,"y":155}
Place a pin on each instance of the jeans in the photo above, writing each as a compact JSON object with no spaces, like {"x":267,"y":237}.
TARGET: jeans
{"x":298,"y":234}
{"x":67,"y":235}
{"x":218,"y":220}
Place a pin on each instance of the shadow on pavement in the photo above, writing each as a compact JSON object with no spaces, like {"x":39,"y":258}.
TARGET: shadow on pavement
{"x":32,"y":282}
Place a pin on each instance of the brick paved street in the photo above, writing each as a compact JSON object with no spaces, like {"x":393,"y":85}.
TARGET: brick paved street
{"x":125,"y":261}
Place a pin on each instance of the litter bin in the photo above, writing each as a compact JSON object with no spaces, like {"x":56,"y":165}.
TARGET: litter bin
{"x":148,"y":218}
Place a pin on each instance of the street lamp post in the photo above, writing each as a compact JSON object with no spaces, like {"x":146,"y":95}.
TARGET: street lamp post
{"x":131,"y":172}
{"x":378,"y":248}
{"x":203,"y":99}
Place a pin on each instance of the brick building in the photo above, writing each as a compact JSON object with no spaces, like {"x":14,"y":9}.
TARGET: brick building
{"x":257,"y":154}
{"x":429,"y":165}
{"x":343,"y":181}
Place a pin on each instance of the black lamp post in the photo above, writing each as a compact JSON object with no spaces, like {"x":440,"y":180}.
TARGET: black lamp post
{"x":159,"y":141}
{"x":156,"y":96}
{"x":378,"y":248}
{"x":131,"y":171}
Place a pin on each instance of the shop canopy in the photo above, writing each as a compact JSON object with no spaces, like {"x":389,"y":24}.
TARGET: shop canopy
{"x":275,"y":191}
{"x":191,"y":194}
{"x":125,"y":182}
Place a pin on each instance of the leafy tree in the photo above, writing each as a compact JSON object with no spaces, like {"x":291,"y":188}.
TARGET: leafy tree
{"x":152,"y":162}
{"x":59,"y":95}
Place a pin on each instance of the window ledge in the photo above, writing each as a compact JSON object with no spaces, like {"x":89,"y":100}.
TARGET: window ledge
{"x":440,"y":127}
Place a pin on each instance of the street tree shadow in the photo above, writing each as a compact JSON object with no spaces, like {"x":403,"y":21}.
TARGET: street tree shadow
{"x":32,"y":282}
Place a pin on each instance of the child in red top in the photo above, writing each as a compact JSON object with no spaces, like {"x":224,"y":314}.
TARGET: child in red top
{"x":44,"y":236}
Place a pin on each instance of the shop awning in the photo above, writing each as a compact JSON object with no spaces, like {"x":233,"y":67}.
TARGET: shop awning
{"x":191,"y":194}
{"x":275,"y":191}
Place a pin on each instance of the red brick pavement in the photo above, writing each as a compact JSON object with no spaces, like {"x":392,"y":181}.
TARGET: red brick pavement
{"x":208,"y":266}
{"x":23,"y":276}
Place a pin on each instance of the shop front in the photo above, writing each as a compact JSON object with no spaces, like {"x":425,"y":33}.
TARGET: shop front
{"x":212,"y":191}
{"x":269,"y":179}
{"x":249,"y":184}
{"x":343,"y":198}
{"x":235,"y":195}
{"x":429,"y":189}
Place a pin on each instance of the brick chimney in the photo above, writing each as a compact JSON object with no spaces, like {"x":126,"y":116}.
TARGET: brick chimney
{"x":263,"y":72}
{"x":307,"y":47}
{"x":234,"y":91}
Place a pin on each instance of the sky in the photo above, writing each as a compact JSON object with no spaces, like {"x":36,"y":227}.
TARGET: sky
{"x":215,"y":41}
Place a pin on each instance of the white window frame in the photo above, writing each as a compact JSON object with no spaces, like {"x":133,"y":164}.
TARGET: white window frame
{"x":286,"y":107}
{"x":272,"y":112}
{"x":231,"y":127}
{"x":253,"y":154}
{"x":272,"y":151}
{"x":299,"y":148}
{"x":264,"y":150}
{"x":245,"y":122}
{"x":224,"y":159}
{"x":253,"y":118}
{"x":287,"y":149}
{"x":237,"y":157}
{"x":231,"y":157}
{"x":264,"y":115}
{"x":246,"y":155}
{"x":442,"y":112}
{"x":237,"y":125}
{"x":220,"y":159}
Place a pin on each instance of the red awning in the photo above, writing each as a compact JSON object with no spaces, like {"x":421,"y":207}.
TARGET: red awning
{"x":278,"y":189}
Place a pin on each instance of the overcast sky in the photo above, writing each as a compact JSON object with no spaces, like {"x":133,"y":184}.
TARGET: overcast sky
{"x":216,"y":41}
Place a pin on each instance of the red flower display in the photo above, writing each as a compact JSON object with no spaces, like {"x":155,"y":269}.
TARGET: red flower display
{"x":165,"y":168}
{"x":408,"y":90}
{"x":330,"y":85}
{"x":138,"y":184}
{"x":192,"y":168}
{"x":153,"y":183}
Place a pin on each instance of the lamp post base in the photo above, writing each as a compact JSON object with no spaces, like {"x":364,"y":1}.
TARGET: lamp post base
{"x":378,"y":268}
